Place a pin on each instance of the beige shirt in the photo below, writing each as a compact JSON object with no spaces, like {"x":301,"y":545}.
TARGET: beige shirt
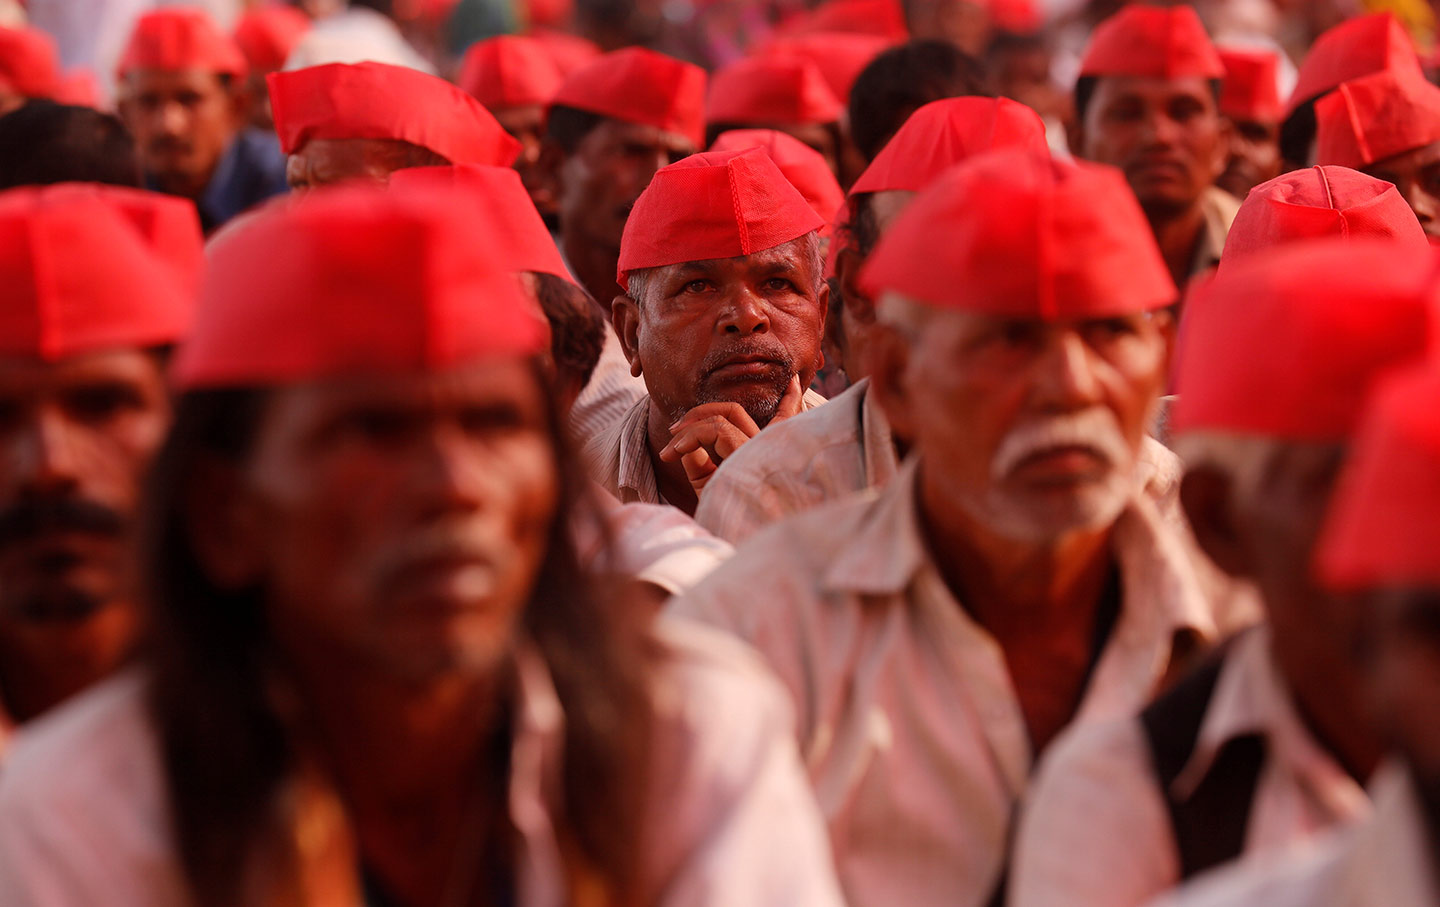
{"x":619,"y":458}
{"x":1220,"y":208}
{"x":1384,"y":861}
{"x":816,"y":457}
{"x":1096,"y":830}
{"x":83,"y":817}
{"x":909,"y":725}
{"x":609,"y":394}
{"x":651,"y":543}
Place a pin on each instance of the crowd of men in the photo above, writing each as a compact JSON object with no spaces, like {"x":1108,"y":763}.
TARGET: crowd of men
{"x":939,"y":452}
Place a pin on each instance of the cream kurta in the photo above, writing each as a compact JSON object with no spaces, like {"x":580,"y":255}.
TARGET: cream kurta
{"x":609,"y":394}
{"x":1097,"y":830}
{"x":908,"y":721}
{"x":83,"y":816}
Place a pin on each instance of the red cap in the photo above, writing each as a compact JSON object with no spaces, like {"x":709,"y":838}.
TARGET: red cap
{"x":1383,"y":528}
{"x":772,"y":91}
{"x":78,"y":88}
{"x":496,"y":198}
{"x":169,"y":225}
{"x":355,"y":280}
{"x":943,"y":133}
{"x":1020,"y":17}
{"x":1352,"y":49}
{"x":1318,"y":202}
{"x":802,"y":165}
{"x":840,"y":56}
{"x":1019,"y":234}
{"x":379,"y":101}
{"x":1285,"y":343}
{"x":1376,"y":117}
{"x":866,"y":17}
{"x":267,"y":34}
{"x":509,"y":71}
{"x":78,"y":276}
{"x":641,"y":86}
{"x":1251,"y":90}
{"x":713,"y":205}
{"x":29,"y":63}
{"x":568,"y":52}
{"x":181,"y":37}
{"x":1152,"y":41}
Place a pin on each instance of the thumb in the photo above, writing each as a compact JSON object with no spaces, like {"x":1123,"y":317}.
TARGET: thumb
{"x":793,"y":401}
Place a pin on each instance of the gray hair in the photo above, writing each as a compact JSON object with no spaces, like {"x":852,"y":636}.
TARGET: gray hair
{"x":807,"y":247}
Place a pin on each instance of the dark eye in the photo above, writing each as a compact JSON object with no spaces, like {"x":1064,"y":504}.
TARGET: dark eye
{"x":696,"y":286}
{"x":101,"y":402}
{"x":486,"y":420}
{"x":780,"y":285}
{"x":376,"y":426}
{"x":1186,"y":108}
{"x":1110,"y":329}
{"x":1124,"y":112}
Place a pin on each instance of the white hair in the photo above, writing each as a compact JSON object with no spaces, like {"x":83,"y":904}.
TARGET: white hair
{"x":641,"y":281}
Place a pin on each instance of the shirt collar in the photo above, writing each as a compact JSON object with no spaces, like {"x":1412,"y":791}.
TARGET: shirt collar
{"x":635,"y":480}
{"x":876,"y":441}
{"x":1394,"y":851}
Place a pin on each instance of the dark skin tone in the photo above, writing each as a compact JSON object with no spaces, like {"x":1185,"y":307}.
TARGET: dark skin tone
{"x":1038,"y":596}
{"x":527,"y":124}
{"x":183,"y":122}
{"x":1254,"y":156}
{"x":430,"y":497}
{"x":76,"y":437}
{"x":324,"y":162}
{"x":858,"y":313}
{"x":1168,"y":138}
{"x":1416,"y":173}
{"x":1267,"y":535}
{"x":595,"y":187}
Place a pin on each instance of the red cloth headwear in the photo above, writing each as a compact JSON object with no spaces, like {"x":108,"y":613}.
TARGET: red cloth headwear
{"x":179,"y":38}
{"x":1383,"y":528}
{"x":355,"y":280}
{"x":1284,"y":344}
{"x":29,"y":63}
{"x":1018,"y":234}
{"x":78,"y":88}
{"x":772,"y":91}
{"x":1376,"y":117}
{"x":866,"y":17}
{"x":840,"y":56}
{"x":713,"y":205}
{"x":1352,"y":49}
{"x":379,"y":101}
{"x":1251,"y":90}
{"x":79,"y":277}
{"x":169,"y":225}
{"x":944,"y":133}
{"x":267,"y":34}
{"x":509,"y":71}
{"x":497,"y":199}
{"x":1152,"y":41}
{"x":802,"y":165}
{"x":568,"y":52}
{"x":1318,"y":202}
{"x":640,"y":86}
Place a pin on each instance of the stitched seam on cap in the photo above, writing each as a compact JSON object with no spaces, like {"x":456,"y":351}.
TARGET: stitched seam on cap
{"x":736,"y":206}
{"x":1351,"y":114}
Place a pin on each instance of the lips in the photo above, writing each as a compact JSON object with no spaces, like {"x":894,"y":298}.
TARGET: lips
{"x":1070,"y":461}
{"x":747,"y":366}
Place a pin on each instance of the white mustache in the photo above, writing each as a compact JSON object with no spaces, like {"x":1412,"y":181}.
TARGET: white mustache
{"x":1095,"y":429}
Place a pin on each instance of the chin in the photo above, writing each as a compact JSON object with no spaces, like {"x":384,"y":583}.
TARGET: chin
{"x":1043,"y":520}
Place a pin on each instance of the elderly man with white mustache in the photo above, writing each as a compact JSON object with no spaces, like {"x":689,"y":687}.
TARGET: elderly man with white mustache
{"x":1026,"y":569}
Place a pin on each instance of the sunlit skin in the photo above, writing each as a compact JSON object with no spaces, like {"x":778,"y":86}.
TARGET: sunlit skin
{"x":1404,"y":688}
{"x":324,"y":162}
{"x":1254,"y":156}
{"x":76,"y":436}
{"x":1416,"y":174}
{"x":527,"y":125}
{"x":183,"y":122}
{"x":595,"y":188}
{"x":858,"y":313}
{"x":955,"y":392}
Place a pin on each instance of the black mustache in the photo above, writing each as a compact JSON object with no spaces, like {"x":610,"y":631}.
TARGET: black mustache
{"x":34,"y":515}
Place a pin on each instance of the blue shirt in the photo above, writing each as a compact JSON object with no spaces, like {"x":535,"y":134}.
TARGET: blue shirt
{"x":251,"y":170}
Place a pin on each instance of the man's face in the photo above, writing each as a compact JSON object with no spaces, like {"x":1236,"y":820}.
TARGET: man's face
{"x":1417,"y":175}
{"x":1254,"y":156}
{"x":822,"y":137}
{"x":599,"y":183}
{"x":324,"y":162}
{"x":77,"y":436}
{"x":182,"y":121}
{"x":399,"y":523}
{"x":1028,"y":427}
{"x":730,"y":329}
{"x":1165,"y":134}
{"x":526,"y":124}
{"x":1405,"y":682}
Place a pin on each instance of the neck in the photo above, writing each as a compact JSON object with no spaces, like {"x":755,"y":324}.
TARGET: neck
{"x":1331,"y":710}
{"x":1178,"y":233}
{"x":594,"y":266}
{"x":670,"y":478}
{"x":44,"y":663}
{"x":183,"y":185}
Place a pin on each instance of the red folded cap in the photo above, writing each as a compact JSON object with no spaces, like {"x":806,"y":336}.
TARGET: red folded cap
{"x":1352,"y":49}
{"x":943,"y":133}
{"x":496,"y":199}
{"x":1283,"y":344}
{"x":181,"y":37}
{"x":509,"y":71}
{"x":1318,"y":202}
{"x":802,"y":165}
{"x":355,"y":280}
{"x":772,"y":91}
{"x":379,"y":101}
{"x":1020,"y":17}
{"x":713,"y":205}
{"x":1383,"y":527}
{"x":568,"y":52}
{"x":867,"y":17}
{"x":1152,"y":41}
{"x":1018,"y":234}
{"x":1251,"y":90}
{"x":1376,"y":117}
{"x":80,"y":278}
{"x":29,"y":63}
{"x":78,"y":88}
{"x":641,"y":86}
{"x":267,"y":34}
{"x":840,"y":56}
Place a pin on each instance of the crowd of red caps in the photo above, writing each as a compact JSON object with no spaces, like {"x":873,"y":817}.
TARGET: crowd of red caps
{"x":592,"y":479}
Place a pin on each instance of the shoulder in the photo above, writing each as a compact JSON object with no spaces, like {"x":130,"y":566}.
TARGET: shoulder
{"x":792,"y":444}
{"x":601,"y":453}
{"x":1307,"y":875}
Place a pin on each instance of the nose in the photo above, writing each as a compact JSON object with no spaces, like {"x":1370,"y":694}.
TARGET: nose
{"x":170,"y":119}
{"x":1065,"y":378}
{"x":1160,"y":129}
{"x":45,"y":460}
{"x":744,"y":313}
{"x":449,"y":475}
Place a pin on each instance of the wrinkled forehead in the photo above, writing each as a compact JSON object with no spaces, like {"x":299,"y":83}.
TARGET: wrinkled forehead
{"x":612,"y":133}
{"x":139,"y":82}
